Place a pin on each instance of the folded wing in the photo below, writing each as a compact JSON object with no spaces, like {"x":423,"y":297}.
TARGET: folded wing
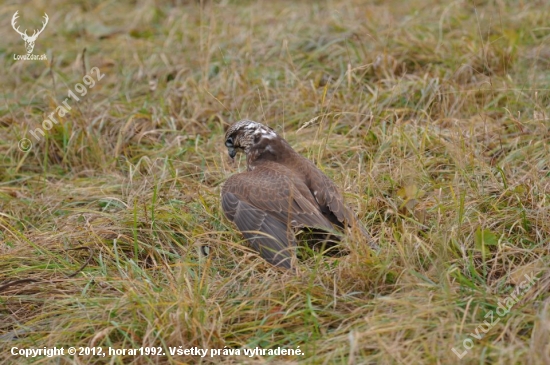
{"x":332,"y":204}
{"x":266,"y":204}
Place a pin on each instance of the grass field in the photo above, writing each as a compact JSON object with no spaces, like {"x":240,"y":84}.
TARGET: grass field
{"x":431,"y":116}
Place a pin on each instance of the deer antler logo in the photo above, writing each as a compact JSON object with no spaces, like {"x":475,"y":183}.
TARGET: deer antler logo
{"x":29,"y":40}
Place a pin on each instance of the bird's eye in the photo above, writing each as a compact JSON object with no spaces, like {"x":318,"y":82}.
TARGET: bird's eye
{"x":229,"y":142}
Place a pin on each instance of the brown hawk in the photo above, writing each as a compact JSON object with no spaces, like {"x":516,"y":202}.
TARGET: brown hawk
{"x":280,"y":193}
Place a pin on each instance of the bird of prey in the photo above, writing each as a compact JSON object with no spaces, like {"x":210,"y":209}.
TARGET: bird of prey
{"x":280,"y":193}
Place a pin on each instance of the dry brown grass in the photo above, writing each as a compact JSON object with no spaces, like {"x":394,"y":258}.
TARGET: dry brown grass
{"x":432,"y":117}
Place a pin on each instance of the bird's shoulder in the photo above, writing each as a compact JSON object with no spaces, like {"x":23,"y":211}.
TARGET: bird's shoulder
{"x":265,"y":174}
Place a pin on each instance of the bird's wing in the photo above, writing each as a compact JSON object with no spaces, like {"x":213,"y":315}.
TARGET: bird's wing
{"x":265,"y":204}
{"x":328,"y":197}
{"x":332,"y":203}
{"x":267,"y":235}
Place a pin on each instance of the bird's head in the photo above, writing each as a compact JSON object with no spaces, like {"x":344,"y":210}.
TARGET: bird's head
{"x":244,"y":135}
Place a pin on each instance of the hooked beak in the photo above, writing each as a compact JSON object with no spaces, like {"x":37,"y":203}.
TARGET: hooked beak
{"x":232,"y":152}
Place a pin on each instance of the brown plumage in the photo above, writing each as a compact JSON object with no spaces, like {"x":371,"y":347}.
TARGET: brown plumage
{"x":281,"y":192}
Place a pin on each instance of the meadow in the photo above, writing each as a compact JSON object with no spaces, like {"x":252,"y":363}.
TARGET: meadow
{"x":432,"y":117}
